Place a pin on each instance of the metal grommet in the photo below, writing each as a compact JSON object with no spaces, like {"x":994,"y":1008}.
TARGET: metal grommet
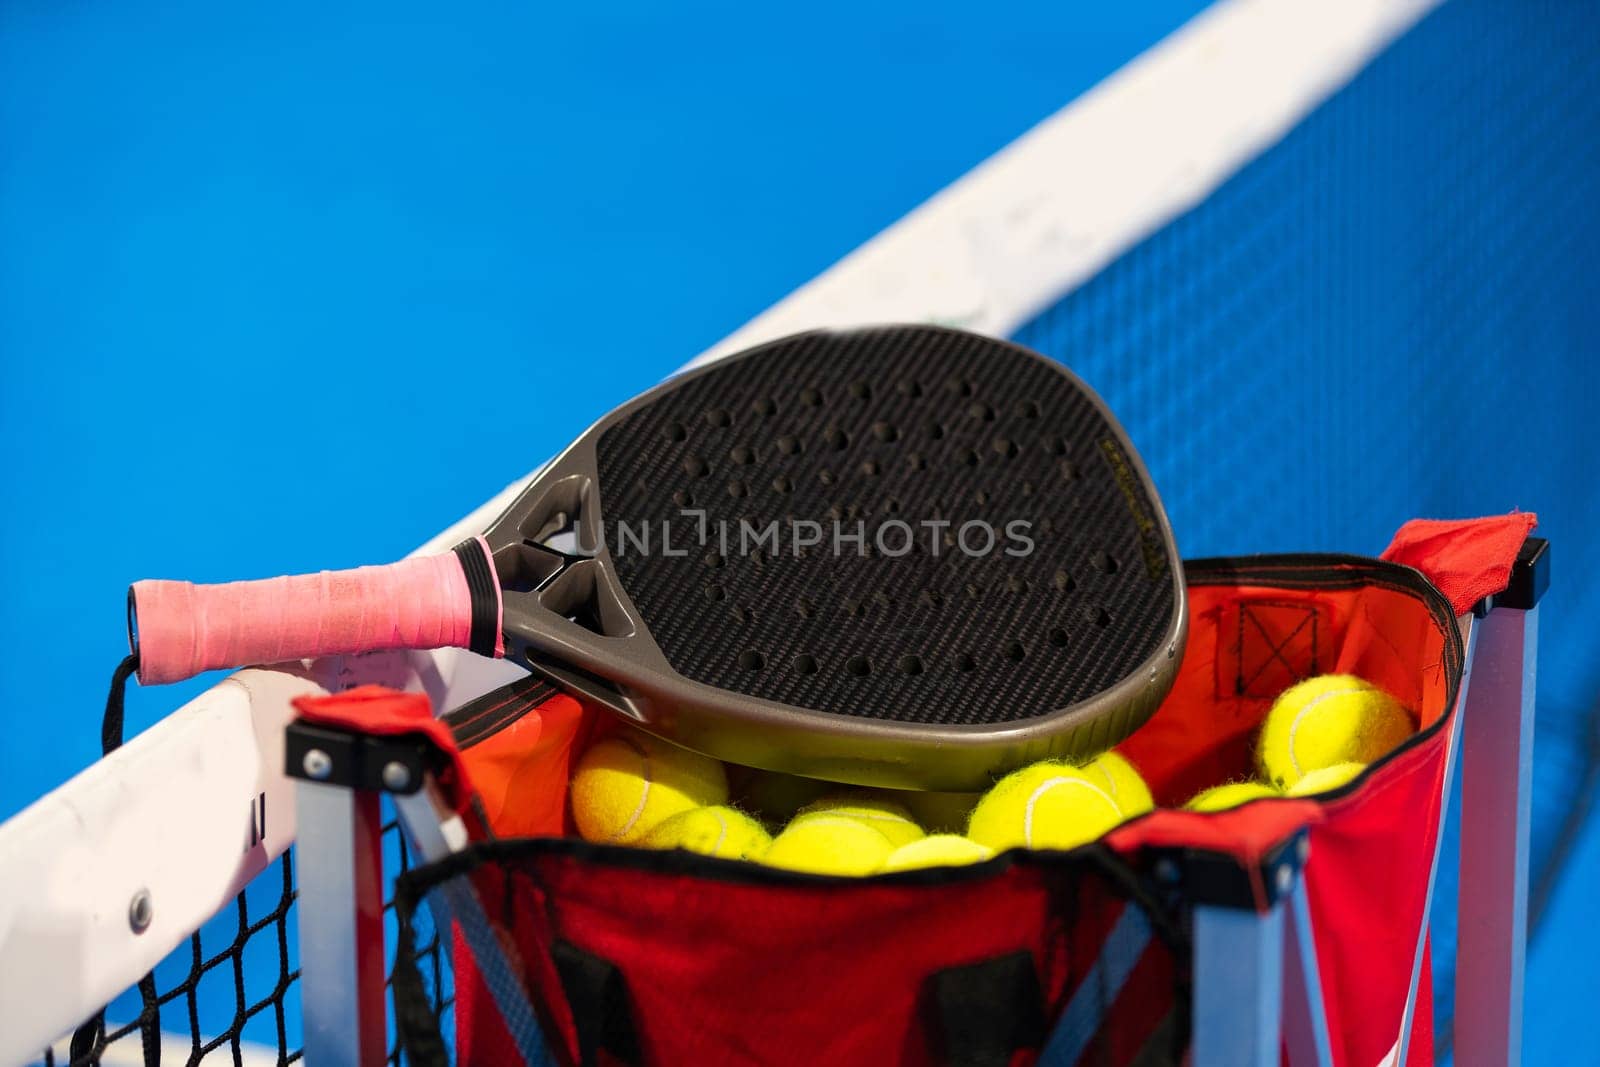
{"x":141,"y":910}
{"x":1302,"y":849}
{"x":317,"y":764}
{"x":396,"y":776}
{"x":1283,"y":877}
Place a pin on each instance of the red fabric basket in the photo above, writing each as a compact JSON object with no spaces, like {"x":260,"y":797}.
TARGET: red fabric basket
{"x":650,"y":957}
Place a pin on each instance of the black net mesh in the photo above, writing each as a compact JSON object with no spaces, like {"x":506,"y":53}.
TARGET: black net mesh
{"x":186,"y":995}
{"x":231,"y":994}
{"x":429,"y":956}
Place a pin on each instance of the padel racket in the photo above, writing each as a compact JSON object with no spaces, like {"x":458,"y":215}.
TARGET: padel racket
{"x":902,"y":556}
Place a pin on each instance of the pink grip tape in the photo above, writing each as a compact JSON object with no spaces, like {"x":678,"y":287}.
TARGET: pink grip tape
{"x":184,"y":629}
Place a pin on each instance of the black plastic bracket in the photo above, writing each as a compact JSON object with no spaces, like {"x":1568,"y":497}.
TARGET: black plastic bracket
{"x":1530,"y":577}
{"x":356,"y":761}
{"x":1219,"y":880}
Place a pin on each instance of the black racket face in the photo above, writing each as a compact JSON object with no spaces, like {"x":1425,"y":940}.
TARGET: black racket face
{"x":906,"y":555}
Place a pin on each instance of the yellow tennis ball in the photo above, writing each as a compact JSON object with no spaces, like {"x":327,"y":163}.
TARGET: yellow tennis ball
{"x":885,"y":816}
{"x":1112,"y":771}
{"x":828,"y":844}
{"x":937,"y":850}
{"x":631,"y":782}
{"x":1047,"y":805}
{"x":1223,"y":797}
{"x":715,"y":831}
{"x":1335,"y":718}
{"x":939,"y":813}
{"x":774,"y":795}
{"x":1325,"y":779}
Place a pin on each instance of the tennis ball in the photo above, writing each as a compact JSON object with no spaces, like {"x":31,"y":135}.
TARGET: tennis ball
{"x":1335,"y":718}
{"x":777,"y":796}
{"x":715,"y":831}
{"x":939,"y":813}
{"x":1223,"y":797}
{"x":828,"y":844}
{"x":629,"y":783}
{"x":1325,"y":779}
{"x":885,"y":816}
{"x":1046,"y":805}
{"x":1113,"y":773}
{"x":938,"y":850}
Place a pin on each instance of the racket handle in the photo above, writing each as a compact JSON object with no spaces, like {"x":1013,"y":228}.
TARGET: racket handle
{"x":451,"y":600}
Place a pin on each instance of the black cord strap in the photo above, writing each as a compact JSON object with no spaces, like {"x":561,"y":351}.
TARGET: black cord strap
{"x":89,"y":1040}
{"x":111,"y":724}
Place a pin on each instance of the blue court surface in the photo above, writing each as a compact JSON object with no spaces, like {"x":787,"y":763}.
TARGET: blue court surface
{"x":285,"y":290}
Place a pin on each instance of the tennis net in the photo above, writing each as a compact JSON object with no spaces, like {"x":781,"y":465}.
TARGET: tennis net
{"x":1333,"y":266}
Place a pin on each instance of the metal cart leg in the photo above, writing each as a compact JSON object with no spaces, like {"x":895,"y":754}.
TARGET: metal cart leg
{"x":1496,"y":799}
{"x":1238,"y":986}
{"x":1468,"y":625}
{"x":1496,"y":772}
{"x":339,"y":779}
{"x":1256,"y":985}
{"x":1237,"y":1011}
{"x":1305,"y":1023}
{"x":340,"y":915}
